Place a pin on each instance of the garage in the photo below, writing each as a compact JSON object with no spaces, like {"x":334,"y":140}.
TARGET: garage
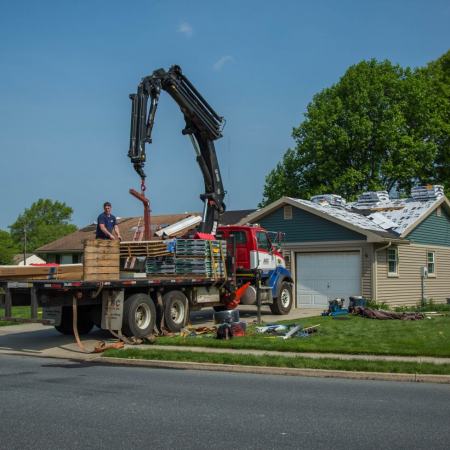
{"x":321,"y":276}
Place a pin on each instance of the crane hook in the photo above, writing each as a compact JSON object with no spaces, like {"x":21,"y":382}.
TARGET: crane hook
{"x":143,"y":187}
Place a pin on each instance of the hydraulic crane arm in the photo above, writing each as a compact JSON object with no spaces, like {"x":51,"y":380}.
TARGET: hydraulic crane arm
{"x":203,"y":125}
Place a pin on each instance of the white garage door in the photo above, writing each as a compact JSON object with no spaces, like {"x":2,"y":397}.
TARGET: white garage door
{"x":327,"y":275}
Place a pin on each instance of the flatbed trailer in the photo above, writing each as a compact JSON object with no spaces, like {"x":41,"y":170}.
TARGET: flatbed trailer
{"x":134,"y":306}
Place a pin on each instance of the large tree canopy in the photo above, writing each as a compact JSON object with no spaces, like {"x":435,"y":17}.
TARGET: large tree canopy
{"x":380,"y":127}
{"x":44,"y":221}
{"x":7,"y":248}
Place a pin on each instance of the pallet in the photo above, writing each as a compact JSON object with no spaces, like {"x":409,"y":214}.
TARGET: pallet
{"x":101,"y":260}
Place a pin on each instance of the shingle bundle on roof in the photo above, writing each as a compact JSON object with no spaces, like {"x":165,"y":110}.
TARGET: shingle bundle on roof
{"x":372,"y":199}
{"x":330,"y":199}
{"x":427,"y":192}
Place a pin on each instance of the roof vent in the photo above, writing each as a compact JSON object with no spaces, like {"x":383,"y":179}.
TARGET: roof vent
{"x":373,"y":199}
{"x":328,"y":199}
{"x":428,"y":192}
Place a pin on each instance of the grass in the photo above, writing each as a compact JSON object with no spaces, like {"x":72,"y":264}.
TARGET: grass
{"x":354,"y":335}
{"x":22,"y":312}
{"x":283,"y":361}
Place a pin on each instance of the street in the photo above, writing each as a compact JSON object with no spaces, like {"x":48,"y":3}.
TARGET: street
{"x":51,"y":403}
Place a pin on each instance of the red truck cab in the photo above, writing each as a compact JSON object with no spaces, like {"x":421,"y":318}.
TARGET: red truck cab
{"x":254,"y":247}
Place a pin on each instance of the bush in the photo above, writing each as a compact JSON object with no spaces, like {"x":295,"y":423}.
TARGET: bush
{"x":373,"y":304}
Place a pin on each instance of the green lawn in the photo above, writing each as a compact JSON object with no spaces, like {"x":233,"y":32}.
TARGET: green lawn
{"x":356,"y":335}
{"x":283,"y":361}
{"x":22,"y":312}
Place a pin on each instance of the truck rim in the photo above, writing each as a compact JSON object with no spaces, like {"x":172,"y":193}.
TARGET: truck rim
{"x":285,"y":298}
{"x":178,"y":311}
{"x":143,"y":316}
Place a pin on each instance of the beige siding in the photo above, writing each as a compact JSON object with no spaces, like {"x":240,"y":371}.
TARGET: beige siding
{"x":406,"y":288}
{"x":366,"y":270}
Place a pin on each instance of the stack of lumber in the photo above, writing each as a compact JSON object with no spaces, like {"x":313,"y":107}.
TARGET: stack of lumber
{"x":101,"y":260}
{"x":130,"y":249}
{"x":56,"y":272}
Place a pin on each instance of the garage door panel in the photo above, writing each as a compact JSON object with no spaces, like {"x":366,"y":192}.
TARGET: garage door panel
{"x":326,"y":275}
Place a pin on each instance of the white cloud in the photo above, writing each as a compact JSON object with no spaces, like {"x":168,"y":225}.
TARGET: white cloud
{"x":186,"y":29}
{"x":218,"y":65}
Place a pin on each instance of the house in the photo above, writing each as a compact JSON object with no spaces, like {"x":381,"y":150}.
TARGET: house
{"x":30,"y":259}
{"x":69,"y":249}
{"x":392,"y":251}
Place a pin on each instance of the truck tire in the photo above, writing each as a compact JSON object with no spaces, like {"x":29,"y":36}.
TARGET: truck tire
{"x":139,"y":316}
{"x":84,"y":322}
{"x":176,"y":310}
{"x":283,"y":303}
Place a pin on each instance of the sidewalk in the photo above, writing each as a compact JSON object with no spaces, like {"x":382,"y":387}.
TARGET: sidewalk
{"x":416,"y":359}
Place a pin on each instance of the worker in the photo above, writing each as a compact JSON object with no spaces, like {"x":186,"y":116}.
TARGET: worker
{"x":107,"y":224}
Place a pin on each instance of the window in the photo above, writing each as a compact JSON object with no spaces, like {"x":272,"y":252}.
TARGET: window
{"x":392,"y":258}
{"x":263,"y":241}
{"x":287,"y":212}
{"x":431,"y":266}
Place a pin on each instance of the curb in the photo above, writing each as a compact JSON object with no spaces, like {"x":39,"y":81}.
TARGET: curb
{"x":264,"y":370}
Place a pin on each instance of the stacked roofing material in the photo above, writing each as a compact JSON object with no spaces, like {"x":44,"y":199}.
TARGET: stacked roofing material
{"x":429,"y":192}
{"x":372,"y":199}
{"x":329,"y":199}
{"x":191,"y":257}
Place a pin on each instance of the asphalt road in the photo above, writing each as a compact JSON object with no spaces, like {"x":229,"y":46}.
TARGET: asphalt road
{"x":48,"y":403}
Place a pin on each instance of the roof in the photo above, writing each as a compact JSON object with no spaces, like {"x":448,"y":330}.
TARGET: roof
{"x":392,"y":220}
{"x":233,"y":217}
{"x":73,"y":243}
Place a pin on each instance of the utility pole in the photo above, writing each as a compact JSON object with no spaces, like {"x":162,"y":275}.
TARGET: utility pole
{"x":25,"y":245}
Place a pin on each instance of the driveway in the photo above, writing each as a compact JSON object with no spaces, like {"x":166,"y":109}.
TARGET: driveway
{"x":33,"y":339}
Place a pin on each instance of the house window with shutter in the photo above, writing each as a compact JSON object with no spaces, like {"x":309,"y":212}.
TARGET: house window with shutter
{"x":287,"y":210}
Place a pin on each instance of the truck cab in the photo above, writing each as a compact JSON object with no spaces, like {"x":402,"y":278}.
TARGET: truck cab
{"x":257,"y":257}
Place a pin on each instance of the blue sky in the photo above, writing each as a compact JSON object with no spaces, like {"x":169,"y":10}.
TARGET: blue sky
{"x":67,"y":69}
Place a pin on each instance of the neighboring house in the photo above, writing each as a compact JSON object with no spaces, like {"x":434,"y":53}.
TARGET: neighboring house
{"x":69,"y":249}
{"x":376,"y":247}
{"x":30,"y":259}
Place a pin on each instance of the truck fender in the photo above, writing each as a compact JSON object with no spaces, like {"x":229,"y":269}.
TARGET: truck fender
{"x":280,"y":275}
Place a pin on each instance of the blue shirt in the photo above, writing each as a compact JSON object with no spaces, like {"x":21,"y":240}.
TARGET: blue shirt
{"x":108,"y":221}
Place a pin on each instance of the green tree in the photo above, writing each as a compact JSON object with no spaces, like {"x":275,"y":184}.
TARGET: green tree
{"x":379,"y":127}
{"x":44,"y":222}
{"x":437,"y":75}
{"x":7,"y":248}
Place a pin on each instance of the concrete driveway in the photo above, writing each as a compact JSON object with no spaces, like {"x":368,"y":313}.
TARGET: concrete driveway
{"x":33,"y":339}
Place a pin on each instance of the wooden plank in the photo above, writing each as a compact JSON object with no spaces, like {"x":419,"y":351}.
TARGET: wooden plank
{"x":101,"y":277}
{"x":98,"y":243}
{"x":103,"y":270}
{"x":94,"y":258}
{"x":101,"y":251}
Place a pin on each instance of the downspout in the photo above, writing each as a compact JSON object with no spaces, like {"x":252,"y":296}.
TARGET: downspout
{"x":375,"y":291}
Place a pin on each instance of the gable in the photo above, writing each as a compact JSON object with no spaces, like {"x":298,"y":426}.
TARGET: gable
{"x":434,"y":230}
{"x":307,"y":227}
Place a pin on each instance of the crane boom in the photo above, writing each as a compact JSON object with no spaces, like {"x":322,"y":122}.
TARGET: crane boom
{"x":203,"y":125}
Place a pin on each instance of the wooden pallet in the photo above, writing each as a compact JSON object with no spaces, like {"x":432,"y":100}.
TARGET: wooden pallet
{"x":129,"y":249}
{"x":101,"y":260}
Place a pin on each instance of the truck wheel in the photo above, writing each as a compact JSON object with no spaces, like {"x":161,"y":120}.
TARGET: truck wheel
{"x":176,"y":310}
{"x":283,"y":303}
{"x":84,"y":322}
{"x":139,"y":315}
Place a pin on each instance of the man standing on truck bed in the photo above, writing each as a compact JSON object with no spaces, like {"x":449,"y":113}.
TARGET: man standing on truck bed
{"x":107,"y":224}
